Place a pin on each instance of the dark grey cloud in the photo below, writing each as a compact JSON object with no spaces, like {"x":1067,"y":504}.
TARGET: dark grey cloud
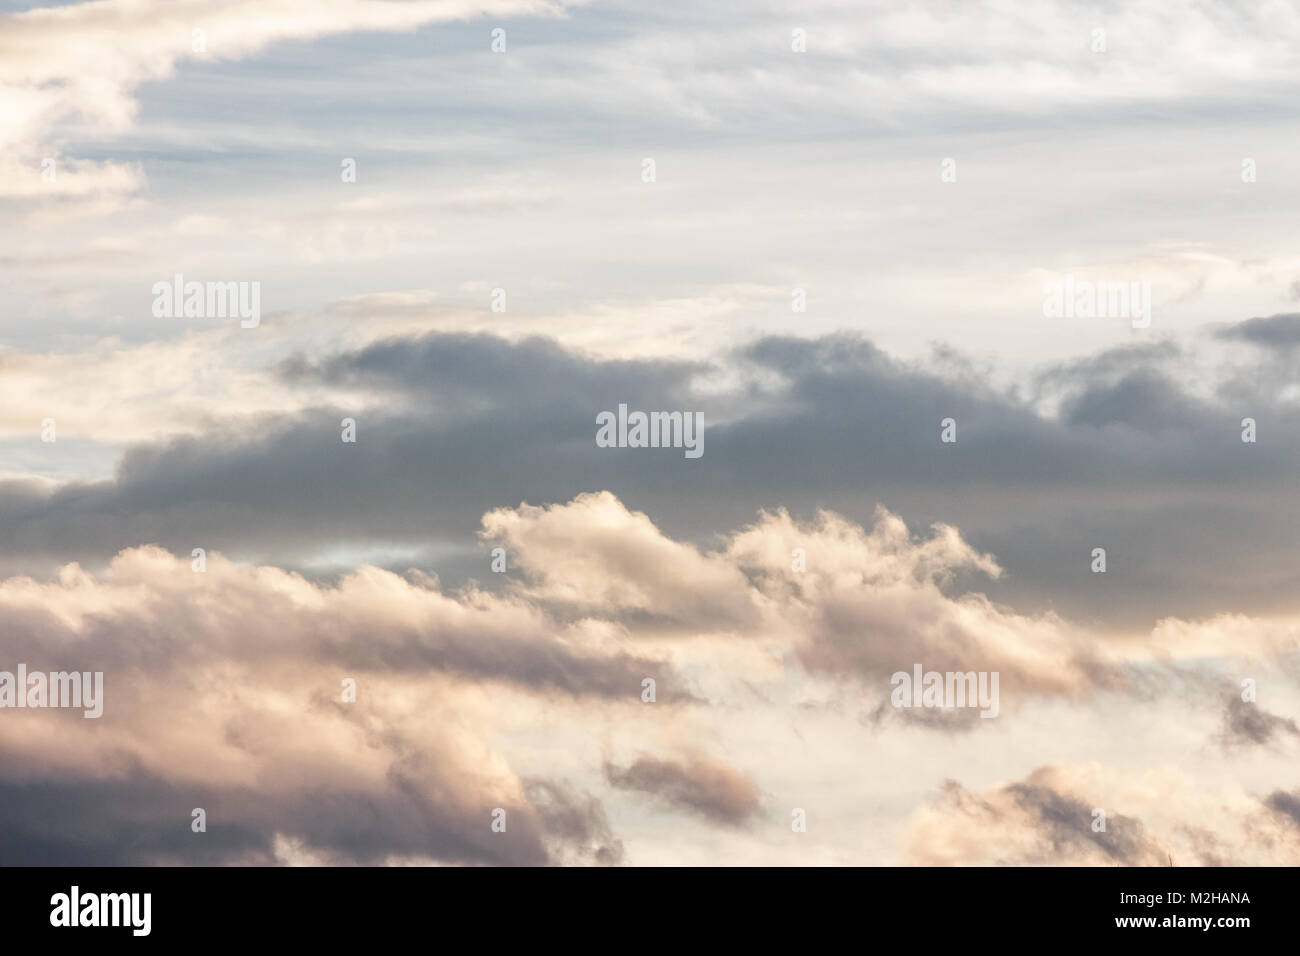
{"x":1286,"y":805}
{"x":1280,"y":332}
{"x":1065,"y":825}
{"x":1145,"y":400}
{"x":706,"y":787}
{"x":141,"y":819}
{"x":1193,"y":520}
{"x":484,"y":424}
{"x":136,"y":820}
{"x":1108,"y":363}
{"x":1250,"y":724}
{"x":473,"y":376}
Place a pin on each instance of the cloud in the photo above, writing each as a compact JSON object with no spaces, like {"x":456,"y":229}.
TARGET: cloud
{"x":1278,"y":332}
{"x":576,"y":823}
{"x":1248,"y":723}
{"x":1047,"y":819}
{"x":595,"y":556}
{"x":484,"y":420}
{"x":1286,"y":805}
{"x":870,"y":602}
{"x":463,"y":373}
{"x":696,"y":784}
{"x":1029,"y":823}
{"x":371,"y":618}
{"x":84,"y":61}
{"x":223,"y":691}
{"x":1147,"y":401}
{"x":827,"y":539}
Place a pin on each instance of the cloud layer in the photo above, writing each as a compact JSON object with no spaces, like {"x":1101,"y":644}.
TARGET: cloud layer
{"x":476,"y":225}
{"x":226,"y":687}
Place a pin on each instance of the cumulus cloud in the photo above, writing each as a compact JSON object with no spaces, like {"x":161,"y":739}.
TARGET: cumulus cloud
{"x":149,"y":610}
{"x":869,"y":603}
{"x":849,"y":601}
{"x":223,"y":686}
{"x":223,"y":691}
{"x":595,"y":555}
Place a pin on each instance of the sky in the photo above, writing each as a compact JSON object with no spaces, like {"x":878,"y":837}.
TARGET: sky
{"x":831,"y":230}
